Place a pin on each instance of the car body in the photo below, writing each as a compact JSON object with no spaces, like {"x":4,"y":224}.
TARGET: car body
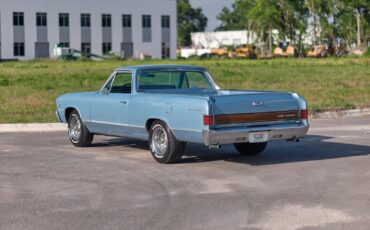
{"x":185,"y":104}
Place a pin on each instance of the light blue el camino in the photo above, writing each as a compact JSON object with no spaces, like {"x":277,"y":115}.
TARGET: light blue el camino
{"x":171,"y":105}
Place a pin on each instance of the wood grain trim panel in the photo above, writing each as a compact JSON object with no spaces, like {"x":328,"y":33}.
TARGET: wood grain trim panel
{"x":256,"y":117}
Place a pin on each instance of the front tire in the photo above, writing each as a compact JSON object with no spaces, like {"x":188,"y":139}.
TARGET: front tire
{"x":250,"y":149}
{"x":78,"y":133}
{"x":164,"y":146}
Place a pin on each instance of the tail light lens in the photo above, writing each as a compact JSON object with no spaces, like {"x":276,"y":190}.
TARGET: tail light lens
{"x":304,"y":114}
{"x":208,"y":120}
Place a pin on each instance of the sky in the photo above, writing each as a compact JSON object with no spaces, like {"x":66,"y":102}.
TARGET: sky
{"x":211,"y":9}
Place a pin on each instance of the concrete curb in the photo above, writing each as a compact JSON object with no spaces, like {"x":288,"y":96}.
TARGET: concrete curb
{"x":54,"y":127}
{"x":341,"y":114}
{"x":33,"y":127}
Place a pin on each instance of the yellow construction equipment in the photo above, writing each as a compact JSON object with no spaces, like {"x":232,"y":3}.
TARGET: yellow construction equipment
{"x":219,"y":52}
{"x":290,"y":52}
{"x":243,"y":52}
{"x":318,"y":51}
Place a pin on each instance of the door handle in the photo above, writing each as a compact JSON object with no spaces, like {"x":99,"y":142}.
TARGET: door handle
{"x":123,"y":102}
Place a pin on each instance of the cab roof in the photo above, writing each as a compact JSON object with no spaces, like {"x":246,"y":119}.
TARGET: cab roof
{"x":160,"y":67}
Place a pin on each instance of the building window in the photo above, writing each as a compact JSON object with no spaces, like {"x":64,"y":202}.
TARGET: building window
{"x":85,"y":48}
{"x":64,"y":20}
{"x":18,"y":19}
{"x":85,"y":20}
{"x":41,"y":19}
{"x":165,"y":51}
{"x":147,"y":21}
{"x":106,"y":20}
{"x":64,"y":45}
{"x":18,"y":49}
{"x":165,"y":21}
{"x":126,"y":21}
{"x":107,"y":47}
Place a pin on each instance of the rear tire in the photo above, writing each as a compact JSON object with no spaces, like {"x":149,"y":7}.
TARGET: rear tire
{"x":78,"y":133}
{"x":250,"y":149}
{"x":164,"y":146}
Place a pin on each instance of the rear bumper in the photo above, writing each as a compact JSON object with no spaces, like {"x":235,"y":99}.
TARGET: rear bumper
{"x":238,"y":135}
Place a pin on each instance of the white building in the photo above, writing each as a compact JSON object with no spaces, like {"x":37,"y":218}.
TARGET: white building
{"x":211,"y":40}
{"x":31,"y":28}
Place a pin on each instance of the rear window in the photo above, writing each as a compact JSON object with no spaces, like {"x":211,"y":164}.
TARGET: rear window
{"x":151,"y":80}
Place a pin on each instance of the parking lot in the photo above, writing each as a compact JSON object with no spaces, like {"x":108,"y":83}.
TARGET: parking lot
{"x":321,"y":182}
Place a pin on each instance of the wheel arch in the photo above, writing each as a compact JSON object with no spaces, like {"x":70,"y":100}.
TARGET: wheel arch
{"x":68,"y":111}
{"x":150,"y":121}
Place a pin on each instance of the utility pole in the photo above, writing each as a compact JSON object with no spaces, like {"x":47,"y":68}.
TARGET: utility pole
{"x":314,"y":22}
{"x":358,"y":19}
{"x":335,"y":42}
{"x":270,"y":40}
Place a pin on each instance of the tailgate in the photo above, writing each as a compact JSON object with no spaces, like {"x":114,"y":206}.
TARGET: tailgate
{"x":237,"y":107}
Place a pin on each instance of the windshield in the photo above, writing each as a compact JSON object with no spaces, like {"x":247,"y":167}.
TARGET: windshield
{"x":151,"y":80}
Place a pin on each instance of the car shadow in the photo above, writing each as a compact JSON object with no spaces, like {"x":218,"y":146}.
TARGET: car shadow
{"x":311,"y":148}
{"x":128,"y":143}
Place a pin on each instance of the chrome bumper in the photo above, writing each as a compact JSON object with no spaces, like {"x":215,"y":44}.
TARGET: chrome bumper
{"x":57,"y":114}
{"x":238,"y":135}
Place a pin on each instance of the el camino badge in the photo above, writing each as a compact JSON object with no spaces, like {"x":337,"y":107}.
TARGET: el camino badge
{"x":287,"y":115}
{"x":257,"y":103}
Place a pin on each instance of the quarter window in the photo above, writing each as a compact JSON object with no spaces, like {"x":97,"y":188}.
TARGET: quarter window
{"x":197,"y":80}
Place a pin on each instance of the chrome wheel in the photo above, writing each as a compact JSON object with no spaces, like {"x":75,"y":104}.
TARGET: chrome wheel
{"x":159,"y":143}
{"x":75,"y":129}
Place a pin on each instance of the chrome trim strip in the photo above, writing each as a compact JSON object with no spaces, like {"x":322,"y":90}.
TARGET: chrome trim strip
{"x":188,"y":130}
{"x":237,"y":135}
{"x":117,"y":124}
{"x":137,"y":126}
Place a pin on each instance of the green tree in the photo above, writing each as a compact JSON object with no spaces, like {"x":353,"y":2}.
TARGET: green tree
{"x":361,"y":12}
{"x":230,"y":20}
{"x":261,"y":16}
{"x":325,"y":20}
{"x":266,"y":16}
{"x":189,"y":20}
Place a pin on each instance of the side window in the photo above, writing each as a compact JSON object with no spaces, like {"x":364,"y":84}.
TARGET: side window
{"x":197,"y":80}
{"x":121,"y":83}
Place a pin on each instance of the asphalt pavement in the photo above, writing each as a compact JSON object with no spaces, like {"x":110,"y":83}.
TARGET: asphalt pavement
{"x":322,"y":182}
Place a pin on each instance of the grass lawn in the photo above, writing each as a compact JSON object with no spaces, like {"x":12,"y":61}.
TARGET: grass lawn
{"x":28,"y":89}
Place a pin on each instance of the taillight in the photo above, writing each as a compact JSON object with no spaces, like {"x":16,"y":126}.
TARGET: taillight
{"x":208,"y":120}
{"x":304,"y":114}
